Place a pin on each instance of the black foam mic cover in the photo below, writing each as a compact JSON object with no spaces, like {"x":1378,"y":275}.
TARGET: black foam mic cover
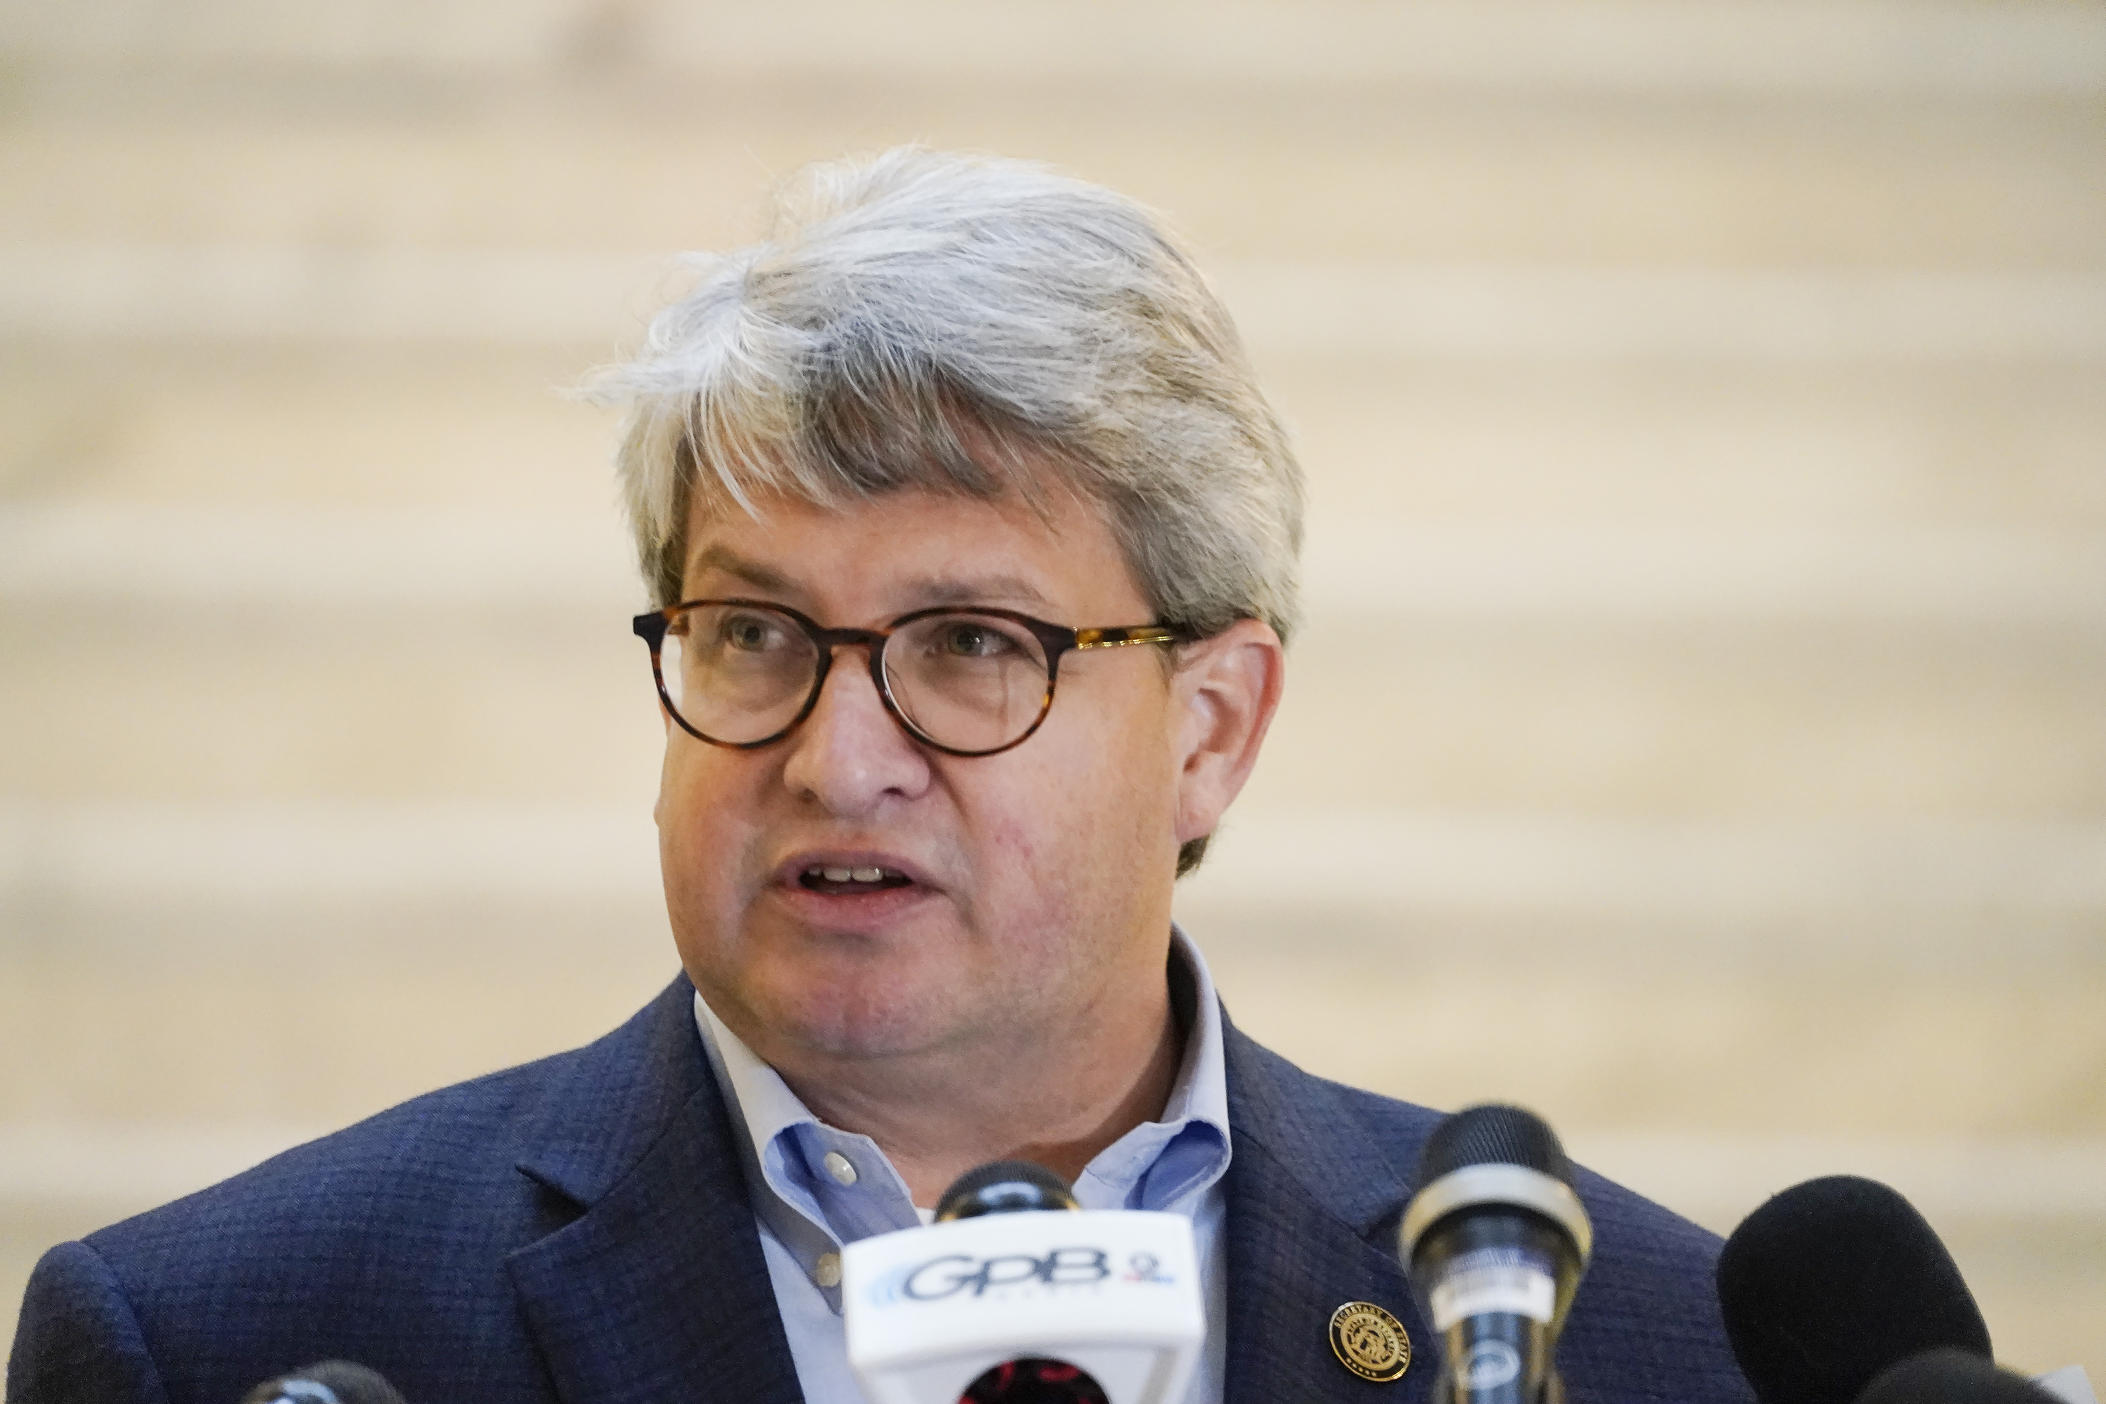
{"x":1832,"y":1281}
{"x":328,"y":1382}
{"x":1951,"y":1377}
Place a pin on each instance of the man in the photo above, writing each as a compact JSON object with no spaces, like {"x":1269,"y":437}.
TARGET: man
{"x":973,"y":546}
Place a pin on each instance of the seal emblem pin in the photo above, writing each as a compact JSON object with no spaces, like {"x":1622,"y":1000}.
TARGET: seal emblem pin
{"x":1369,"y":1341}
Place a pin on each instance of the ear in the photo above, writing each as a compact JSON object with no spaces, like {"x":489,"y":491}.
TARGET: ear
{"x":1227,"y":688}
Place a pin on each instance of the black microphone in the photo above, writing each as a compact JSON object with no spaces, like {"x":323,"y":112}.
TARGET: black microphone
{"x":1018,"y":1187}
{"x":327,"y":1382}
{"x":1004,"y":1187}
{"x":1496,"y":1241}
{"x":1949,"y":1376}
{"x":1001,"y":1302}
{"x":1831,"y":1282}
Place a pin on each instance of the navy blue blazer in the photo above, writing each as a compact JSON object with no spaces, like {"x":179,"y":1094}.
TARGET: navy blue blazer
{"x":578,"y":1229}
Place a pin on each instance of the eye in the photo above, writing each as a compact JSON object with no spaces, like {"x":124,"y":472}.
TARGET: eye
{"x":973,"y":638}
{"x":750,"y":633}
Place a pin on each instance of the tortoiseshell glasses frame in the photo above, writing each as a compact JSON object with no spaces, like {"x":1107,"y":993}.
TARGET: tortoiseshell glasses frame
{"x":1053,"y":639}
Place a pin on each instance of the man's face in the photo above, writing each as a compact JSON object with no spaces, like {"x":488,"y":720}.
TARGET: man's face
{"x":1039,"y":899}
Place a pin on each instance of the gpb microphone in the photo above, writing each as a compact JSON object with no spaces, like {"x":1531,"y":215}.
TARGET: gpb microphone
{"x":1495,"y":1242}
{"x":328,"y":1382}
{"x":1832,"y":1281}
{"x":998,"y":1302}
{"x":1950,"y":1376}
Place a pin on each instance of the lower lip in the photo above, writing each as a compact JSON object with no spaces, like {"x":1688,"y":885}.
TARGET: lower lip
{"x":850,"y":911}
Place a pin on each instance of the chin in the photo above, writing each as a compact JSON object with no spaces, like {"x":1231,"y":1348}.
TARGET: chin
{"x":852,"y":1015}
{"x":859,"y":1029}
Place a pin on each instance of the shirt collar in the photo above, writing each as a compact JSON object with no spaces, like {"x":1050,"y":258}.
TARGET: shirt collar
{"x":794,"y":1162}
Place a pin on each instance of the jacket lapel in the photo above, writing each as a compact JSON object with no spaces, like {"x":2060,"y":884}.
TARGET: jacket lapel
{"x":657,"y":1290}
{"x":1311,"y":1217}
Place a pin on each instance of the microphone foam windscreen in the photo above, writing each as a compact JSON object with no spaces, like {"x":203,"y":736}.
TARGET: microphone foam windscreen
{"x":1003,"y":1187}
{"x":1832,"y":1281}
{"x":1493,"y":1135}
{"x":1951,"y":1377}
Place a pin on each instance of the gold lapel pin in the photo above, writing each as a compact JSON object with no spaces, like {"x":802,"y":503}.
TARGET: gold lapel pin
{"x":1369,"y":1341}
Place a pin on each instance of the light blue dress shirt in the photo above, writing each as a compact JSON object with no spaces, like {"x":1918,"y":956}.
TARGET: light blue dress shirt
{"x":816,"y":1187}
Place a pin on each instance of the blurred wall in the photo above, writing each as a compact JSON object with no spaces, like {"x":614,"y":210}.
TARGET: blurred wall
{"x":1700,"y":731}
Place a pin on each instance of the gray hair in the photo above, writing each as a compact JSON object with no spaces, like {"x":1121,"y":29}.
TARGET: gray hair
{"x":978,"y":326}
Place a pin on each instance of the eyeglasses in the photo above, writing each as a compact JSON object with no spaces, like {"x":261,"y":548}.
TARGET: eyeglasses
{"x":969,"y":682}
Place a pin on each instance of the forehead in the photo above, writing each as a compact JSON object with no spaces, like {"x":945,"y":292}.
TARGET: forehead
{"x":909,"y":549}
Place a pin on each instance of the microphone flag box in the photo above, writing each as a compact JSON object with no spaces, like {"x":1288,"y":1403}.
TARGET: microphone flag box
{"x":1114,"y":1293}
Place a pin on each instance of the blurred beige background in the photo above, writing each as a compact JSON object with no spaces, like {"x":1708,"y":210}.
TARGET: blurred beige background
{"x":1700,"y":733}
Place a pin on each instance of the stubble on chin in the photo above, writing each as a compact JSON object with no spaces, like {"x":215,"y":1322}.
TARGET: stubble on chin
{"x":799,"y":1006}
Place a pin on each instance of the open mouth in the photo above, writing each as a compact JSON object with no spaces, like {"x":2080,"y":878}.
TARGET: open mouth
{"x":851,"y":881}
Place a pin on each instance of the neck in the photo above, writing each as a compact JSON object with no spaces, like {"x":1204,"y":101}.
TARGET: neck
{"x":1044,"y":1095}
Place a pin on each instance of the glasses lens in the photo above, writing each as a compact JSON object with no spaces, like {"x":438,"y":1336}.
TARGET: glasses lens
{"x":737,"y":673}
{"x":973,"y":682}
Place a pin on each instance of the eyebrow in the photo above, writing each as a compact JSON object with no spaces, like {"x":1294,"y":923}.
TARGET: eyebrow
{"x":980,"y":590}
{"x":927,"y":593}
{"x":752,"y":572}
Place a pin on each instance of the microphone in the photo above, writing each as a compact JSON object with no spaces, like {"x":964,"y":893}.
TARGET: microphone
{"x":1496,"y":1242}
{"x":1951,"y":1376}
{"x":327,"y":1382}
{"x":1016,"y":1296}
{"x":1832,"y":1281}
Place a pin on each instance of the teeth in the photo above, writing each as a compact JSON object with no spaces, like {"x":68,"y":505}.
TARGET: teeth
{"x":847,"y":874}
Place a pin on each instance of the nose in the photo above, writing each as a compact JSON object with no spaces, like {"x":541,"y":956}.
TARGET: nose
{"x":850,"y":754}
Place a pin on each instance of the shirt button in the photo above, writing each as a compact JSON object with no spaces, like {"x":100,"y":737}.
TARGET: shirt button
{"x":827,"y":1271}
{"x":841,"y":1168}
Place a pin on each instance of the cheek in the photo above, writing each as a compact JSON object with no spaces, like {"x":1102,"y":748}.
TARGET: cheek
{"x":1020,"y":851}
{"x":700,"y":837}
{"x":1140,"y":766}
{"x":1092,"y":817}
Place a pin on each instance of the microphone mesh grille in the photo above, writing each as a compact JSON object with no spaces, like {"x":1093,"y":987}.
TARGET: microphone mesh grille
{"x":1493,"y":1135}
